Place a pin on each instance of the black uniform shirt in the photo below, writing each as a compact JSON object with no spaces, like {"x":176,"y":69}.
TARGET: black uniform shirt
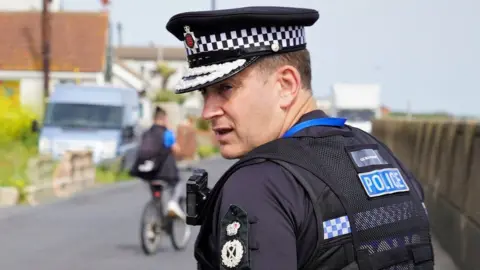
{"x":282,"y":209}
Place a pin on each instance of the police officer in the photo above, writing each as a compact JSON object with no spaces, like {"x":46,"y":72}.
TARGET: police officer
{"x":309,"y":191}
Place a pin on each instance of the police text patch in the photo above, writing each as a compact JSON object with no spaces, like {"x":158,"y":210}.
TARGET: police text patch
{"x":382,"y":182}
{"x":367,"y":157}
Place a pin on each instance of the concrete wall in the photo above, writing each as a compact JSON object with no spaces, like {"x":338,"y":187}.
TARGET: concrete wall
{"x":445,"y":157}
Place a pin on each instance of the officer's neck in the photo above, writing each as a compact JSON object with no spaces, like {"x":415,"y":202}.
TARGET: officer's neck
{"x":296,"y":112}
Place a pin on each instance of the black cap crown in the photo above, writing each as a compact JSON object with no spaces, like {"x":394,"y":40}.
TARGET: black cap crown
{"x":221,"y":43}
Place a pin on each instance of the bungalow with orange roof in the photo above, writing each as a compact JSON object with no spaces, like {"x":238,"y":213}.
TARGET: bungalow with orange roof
{"x":79,"y":42}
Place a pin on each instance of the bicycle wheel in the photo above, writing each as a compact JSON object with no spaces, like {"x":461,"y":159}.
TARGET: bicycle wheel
{"x":179,"y":237}
{"x":151,"y":227}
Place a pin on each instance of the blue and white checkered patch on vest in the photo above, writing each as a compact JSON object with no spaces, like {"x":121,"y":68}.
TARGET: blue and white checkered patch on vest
{"x":383,"y":182}
{"x":336,"y":227}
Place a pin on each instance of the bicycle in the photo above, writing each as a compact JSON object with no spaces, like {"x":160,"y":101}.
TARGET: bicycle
{"x":156,"y":222}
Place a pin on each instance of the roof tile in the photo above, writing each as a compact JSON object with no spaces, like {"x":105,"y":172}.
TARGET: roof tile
{"x":79,"y":41}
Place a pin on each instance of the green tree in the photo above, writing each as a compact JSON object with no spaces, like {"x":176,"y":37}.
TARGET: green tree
{"x":165,"y":72}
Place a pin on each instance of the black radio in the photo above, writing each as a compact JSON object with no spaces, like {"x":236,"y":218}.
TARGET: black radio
{"x":197,"y":194}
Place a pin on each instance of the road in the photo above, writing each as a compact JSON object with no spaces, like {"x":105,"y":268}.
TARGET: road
{"x":97,"y":229}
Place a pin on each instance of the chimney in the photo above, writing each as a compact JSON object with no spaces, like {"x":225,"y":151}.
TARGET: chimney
{"x":120,"y":30}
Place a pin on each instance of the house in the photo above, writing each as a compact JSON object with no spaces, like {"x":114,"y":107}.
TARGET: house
{"x":125,"y":76}
{"x":324,"y":103}
{"x":25,"y":5}
{"x":79,"y":43}
{"x":143,"y":60}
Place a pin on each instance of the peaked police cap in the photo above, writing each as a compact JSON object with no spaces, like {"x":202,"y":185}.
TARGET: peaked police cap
{"x":221,"y":43}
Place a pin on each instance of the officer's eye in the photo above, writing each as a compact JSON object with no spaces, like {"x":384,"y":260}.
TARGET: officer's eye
{"x":225,"y":87}
{"x":221,"y":90}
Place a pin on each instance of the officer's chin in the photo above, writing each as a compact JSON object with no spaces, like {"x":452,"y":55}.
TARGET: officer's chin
{"x":228,"y":151}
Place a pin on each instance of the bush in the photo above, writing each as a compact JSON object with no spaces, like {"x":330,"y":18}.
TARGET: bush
{"x":203,"y":124}
{"x":168,"y":96}
{"x":18,"y":143}
{"x":14,"y":162}
{"x":16,"y":123}
{"x":20,"y":184}
{"x":205,"y":151}
{"x":111,"y":173}
{"x":105,"y":175}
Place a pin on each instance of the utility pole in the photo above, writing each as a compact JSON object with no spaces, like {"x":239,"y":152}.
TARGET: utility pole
{"x":212,"y":4}
{"x":108,"y":72}
{"x":120,"y":33}
{"x":409,"y":110}
{"x":46,"y":47}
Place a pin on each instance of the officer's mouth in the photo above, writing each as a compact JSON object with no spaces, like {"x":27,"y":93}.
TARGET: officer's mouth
{"x":221,"y":133}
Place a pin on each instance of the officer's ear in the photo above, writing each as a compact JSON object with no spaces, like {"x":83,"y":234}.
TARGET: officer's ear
{"x":289,"y":85}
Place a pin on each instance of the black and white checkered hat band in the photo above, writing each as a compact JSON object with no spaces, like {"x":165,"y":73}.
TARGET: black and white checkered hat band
{"x":246,"y":38}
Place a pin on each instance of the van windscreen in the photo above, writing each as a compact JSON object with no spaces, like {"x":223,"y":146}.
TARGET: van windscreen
{"x":83,"y":115}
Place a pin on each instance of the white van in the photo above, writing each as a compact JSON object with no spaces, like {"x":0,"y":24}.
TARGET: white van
{"x":104,"y":119}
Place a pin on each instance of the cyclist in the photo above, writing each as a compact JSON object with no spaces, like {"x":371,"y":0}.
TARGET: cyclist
{"x":156,"y":158}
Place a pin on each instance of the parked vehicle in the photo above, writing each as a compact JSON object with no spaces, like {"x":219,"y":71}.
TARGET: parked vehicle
{"x":104,"y":119}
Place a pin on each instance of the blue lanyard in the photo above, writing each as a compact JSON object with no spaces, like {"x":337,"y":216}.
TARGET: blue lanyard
{"x":335,"y":122}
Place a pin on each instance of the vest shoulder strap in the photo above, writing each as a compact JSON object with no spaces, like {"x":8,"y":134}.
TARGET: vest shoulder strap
{"x":299,"y":177}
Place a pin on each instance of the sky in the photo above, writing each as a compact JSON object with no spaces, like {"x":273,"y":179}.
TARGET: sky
{"x":423,"y":53}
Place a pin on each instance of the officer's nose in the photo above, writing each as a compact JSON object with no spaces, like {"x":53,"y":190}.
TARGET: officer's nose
{"x":212,"y":105}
